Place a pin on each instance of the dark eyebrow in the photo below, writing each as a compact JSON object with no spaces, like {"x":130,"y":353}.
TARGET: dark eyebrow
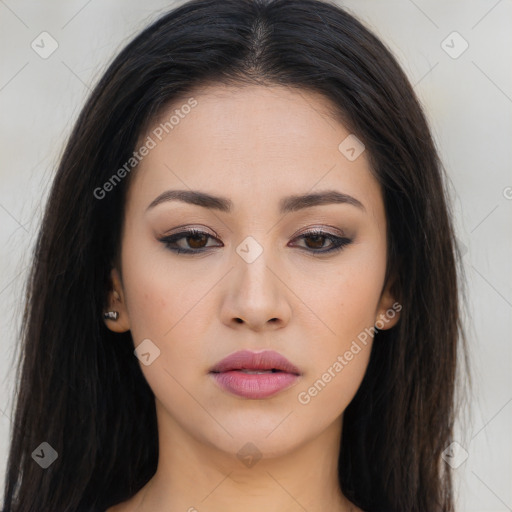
{"x":286,"y":205}
{"x":193,"y":197}
{"x":294,"y":203}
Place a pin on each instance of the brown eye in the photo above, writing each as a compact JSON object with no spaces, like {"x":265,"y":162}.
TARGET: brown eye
{"x":315,"y":240}
{"x":189,"y":242}
{"x":197,"y":241}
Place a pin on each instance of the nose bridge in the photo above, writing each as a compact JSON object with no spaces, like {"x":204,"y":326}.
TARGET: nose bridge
{"x":256,"y":294}
{"x":254,"y":280}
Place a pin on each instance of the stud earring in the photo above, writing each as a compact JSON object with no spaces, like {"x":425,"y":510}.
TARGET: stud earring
{"x":111,"y":315}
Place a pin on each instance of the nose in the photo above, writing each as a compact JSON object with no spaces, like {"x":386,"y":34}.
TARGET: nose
{"x":257,"y":296}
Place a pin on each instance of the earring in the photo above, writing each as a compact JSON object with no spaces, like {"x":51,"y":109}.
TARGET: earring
{"x":111,"y":315}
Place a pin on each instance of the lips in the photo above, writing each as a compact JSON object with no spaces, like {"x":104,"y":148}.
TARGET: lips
{"x":251,"y":362}
{"x":255,"y":375}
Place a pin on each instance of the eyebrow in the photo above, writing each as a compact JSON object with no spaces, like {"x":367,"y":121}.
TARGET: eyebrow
{"x":286,"y":205}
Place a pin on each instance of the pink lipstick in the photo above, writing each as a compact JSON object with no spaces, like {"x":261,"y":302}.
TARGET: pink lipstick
{"x":255,"y":375}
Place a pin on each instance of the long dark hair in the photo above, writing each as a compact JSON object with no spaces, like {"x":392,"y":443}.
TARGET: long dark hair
{"x":81,"y":389}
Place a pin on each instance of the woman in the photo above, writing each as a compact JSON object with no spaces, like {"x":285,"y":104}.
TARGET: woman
{"x":252,"y":205}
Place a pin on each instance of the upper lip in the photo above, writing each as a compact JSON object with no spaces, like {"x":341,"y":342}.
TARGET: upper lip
{"x":248,"y":360}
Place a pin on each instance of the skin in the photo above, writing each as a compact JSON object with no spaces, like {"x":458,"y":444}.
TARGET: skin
{"x":252,"y":145}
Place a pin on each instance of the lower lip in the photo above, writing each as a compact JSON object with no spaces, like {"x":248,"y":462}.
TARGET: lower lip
{"x":254,"y":385}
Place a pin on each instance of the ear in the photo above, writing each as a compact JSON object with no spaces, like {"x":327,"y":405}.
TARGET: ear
{"x":388,"y":311}
{"x":116,"y":302}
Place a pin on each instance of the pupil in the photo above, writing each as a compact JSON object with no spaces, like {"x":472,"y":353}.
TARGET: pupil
{"x":316,"y":239}
{"x":195,"y":239}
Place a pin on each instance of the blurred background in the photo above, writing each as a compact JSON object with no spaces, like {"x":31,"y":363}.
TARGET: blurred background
{"x":457,"y":55}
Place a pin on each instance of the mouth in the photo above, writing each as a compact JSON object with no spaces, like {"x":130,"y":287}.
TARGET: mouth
{"x":247,"y":361}
{"x":255,"y":375}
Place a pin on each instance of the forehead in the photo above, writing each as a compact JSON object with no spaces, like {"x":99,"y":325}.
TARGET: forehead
{"x":250,"y":142}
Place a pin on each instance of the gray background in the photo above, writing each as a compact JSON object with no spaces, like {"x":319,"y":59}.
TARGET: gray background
{"x":468,"y":100}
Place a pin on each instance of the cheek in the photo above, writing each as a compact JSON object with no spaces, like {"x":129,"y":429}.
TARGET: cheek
{"x":159,"y":297}
{"x":343,"y":302}
{"x":338,"y":362}
{"x":161,"y":303}
{"x":353,"y":303}
{"x":346,"y":302}
{"x":148,"y":301}
{"x":328,"y":393}
{"x":164,"y":305}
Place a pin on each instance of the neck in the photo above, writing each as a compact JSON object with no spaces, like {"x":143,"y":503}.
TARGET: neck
{"x":193,"y":476}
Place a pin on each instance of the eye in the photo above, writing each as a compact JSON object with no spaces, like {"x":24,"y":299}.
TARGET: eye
{"x":318,"y":238}
{"x":195,"y":239}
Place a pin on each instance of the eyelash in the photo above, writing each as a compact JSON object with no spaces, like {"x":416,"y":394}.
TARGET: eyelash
{"x":338,"y":242}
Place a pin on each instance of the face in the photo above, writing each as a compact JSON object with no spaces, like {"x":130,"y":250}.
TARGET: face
{"x":264,"y":270}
